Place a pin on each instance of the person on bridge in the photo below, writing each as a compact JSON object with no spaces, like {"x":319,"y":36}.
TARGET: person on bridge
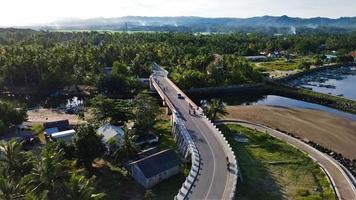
{"x":227,"y":162}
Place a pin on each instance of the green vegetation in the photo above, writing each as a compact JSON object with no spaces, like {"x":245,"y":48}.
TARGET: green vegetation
{"x":272,"y":169}
{"x":88,"y":146}
{"x":38,"y":129}
{"x":48,"y":61}
{"x":10,"y":115}
{"x":169,"y":188}
{"x":215,"y":109}
{"x":110,"y":110}
{"x":49,"y":175}
{"x":164,"y":128}
{"x":284,"y":65}
{"x":145,"y":112}
{"x":63,"y":163}
{"x":113,"y":63}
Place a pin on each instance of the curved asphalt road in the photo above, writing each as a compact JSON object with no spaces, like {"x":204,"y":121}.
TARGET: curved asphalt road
{"x":341,"y":181}
{"x":214,"y":180}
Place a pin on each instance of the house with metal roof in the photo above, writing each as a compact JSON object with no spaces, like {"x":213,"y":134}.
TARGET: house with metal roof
{"x":109,"y":132}
{"x":155,"y":168}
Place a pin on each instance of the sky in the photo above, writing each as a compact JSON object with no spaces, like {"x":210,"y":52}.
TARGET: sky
{"x":30,"y":12}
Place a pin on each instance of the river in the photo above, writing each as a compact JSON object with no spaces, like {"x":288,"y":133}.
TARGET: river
{"x":273,"y":100}
{"x":338,"y":82}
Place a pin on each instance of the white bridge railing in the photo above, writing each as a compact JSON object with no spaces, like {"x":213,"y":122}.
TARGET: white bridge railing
{"x":186,"y":188}
{"x":195,"y":158}
{"x":233,"y":162}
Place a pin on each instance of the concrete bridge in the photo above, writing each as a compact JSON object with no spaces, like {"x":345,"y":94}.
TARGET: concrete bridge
{"x":200,"y":142}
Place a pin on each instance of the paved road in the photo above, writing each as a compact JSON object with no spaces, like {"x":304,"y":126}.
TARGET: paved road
{"x":214,"y":181}
{"x":342,"y":183}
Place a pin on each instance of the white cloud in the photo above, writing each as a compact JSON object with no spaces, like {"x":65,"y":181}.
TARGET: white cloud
{"x":24,"y":12}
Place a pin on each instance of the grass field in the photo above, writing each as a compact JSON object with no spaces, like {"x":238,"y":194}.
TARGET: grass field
{"x":281,"y":64}
{"x":272,"y":169}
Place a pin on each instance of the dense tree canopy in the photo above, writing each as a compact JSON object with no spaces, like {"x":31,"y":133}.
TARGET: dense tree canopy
{"x":51,"y":60}
{"x":109,"y":110}
{"x":88,"y":146}
{"x":145,"y":112}
{"x":11,"y":114}
{"x":46,"y":176}
{"x":215,"y":108}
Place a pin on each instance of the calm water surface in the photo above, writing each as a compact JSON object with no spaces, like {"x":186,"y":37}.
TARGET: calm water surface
{"x":337,"y":82}
{"x":273,"y":100}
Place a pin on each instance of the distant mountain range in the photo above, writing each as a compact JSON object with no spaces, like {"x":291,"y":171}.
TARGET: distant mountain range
{"x":200,"y":24}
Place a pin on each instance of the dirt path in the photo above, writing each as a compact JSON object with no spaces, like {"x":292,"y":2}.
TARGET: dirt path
{"x":330,"y":131}
{"x":47,"y":115}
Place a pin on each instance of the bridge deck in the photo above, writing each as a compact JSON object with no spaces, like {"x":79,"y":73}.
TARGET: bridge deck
{"x":215,"y":180}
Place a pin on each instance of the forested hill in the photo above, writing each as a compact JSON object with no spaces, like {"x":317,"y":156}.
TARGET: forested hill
{"x":199,"y":24}
{"x":9,"y":35}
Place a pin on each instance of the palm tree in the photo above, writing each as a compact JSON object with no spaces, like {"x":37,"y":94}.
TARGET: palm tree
{"x":13,"y":160}
{"x":49,"y":173}
{"x":10,"y":190}
{"x":129,"y":147}
{"x":126,"y":147}
{"x":78,"y":187}
{"x":215,"y":109}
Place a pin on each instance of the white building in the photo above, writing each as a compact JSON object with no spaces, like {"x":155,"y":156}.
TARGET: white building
{"x":63,"y":135}
{"x":109,"y":131}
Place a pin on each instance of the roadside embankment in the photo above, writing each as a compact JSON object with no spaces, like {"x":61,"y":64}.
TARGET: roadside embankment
{"x":332,"y":132}
{"x":340,"y":180}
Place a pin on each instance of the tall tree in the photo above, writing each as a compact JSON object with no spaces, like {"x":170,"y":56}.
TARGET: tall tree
{"x":88,"y":146}
{"x":13,"y":160}
{"x":215,"y":109}
{"x":11,"y":114}
{"x":145,"y":112}
{"x":49,"y":173}
{"x":79,"y":187}
{"x":110,"y":110}
{"x":10,"y":189}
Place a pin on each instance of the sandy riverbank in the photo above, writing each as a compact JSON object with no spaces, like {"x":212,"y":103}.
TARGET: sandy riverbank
{"x":329,"y":131}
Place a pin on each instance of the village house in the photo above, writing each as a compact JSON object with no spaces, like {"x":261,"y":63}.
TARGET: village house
{"x":151,"y":170}
{"x":109,"y":132}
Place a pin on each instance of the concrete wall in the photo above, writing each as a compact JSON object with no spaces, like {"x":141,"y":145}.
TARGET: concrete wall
{"x":138,"y":175}
{"x":152,"y":181}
